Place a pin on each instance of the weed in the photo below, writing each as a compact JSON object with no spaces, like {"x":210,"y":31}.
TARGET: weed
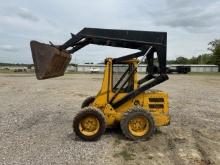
{"x":117,"y":142}
{"x":125,"y":154}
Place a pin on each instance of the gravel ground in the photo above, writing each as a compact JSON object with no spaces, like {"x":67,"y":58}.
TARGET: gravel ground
{"x":36,"y":123}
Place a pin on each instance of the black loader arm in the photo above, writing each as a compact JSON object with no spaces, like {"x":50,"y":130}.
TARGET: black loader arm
{"x":148,"y":43}
{"x":132,"y":39}
{"x":52,"y":60}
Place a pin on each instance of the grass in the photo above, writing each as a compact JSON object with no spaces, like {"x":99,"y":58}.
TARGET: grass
{"x":125,"y":154}
{"x":117,"y":142}
{"x":205,"y":73}
{"x":193,"y":74}
{"x":70,"y":72}
{"x":73,"y":72}
{"x":12,"y":71}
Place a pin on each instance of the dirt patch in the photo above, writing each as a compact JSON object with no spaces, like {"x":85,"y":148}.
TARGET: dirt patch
{"x":36,"y":123}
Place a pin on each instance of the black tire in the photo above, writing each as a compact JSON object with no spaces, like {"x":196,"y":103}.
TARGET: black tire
{"x":88,"y":101}
{"x":132,"y":113}
{"x":89,"y":111}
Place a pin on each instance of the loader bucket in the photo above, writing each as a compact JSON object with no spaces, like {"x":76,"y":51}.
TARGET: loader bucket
{"x":48,"y":61}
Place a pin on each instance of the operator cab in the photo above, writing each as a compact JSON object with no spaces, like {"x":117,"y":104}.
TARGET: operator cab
{"x":120,"y":73}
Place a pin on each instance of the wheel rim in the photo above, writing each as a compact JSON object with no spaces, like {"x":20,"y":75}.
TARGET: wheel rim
{"x":138,"y":126}
{"x":89,"y":125}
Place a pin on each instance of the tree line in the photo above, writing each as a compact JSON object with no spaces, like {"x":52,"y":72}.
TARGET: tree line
{"x":14,"y":64}
{"x":208,"y":58}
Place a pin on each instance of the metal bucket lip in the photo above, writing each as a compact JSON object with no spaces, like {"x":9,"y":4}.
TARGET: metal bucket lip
{"x":48,"y":61}
{"x":32,"y":43}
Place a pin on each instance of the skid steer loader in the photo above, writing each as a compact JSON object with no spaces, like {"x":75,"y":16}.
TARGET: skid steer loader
{"x":123,"y":98}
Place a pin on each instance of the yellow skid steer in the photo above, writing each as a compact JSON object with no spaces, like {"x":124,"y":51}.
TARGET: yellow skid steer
{"x":123,"y":98}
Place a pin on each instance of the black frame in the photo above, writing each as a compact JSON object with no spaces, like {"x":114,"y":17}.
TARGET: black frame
{"x":130,"y":68}
{"x":119,"y":90}
{"x":147,"y":42}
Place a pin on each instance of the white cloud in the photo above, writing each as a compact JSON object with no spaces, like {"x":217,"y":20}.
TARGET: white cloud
{"x":8,"y":48}
{"x":190,"y":24}
{"x":192,"y":16}
{"x":26,"y":14}
{"x":24,"y":20}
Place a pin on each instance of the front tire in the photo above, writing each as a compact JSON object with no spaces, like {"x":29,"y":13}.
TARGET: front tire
{"x":89,"y":124}
{"x":88,"y":101}
{"x":137,"y":124}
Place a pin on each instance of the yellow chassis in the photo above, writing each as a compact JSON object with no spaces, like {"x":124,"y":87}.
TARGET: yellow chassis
{"x":147,"y":100}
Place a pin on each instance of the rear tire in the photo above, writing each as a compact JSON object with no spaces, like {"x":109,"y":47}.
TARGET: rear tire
{"x":88,"y":101}
{"x":137,"y":124}
{"x":89,"y":124}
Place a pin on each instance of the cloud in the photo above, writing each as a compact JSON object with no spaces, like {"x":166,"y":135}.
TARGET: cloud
{"x":8,"y":48}
{"x":190,"y":24}
{"x":26,"y":14}
{"x":22,"y":13}
{"x":23,"y":21}
{"x":192,"y":16}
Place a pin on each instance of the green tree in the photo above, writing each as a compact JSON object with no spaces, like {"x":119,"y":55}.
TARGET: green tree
{"x":181,"y":60}
{"x":193,"y":60}
{"x":205,"y":59}
{"x":215,"y":49}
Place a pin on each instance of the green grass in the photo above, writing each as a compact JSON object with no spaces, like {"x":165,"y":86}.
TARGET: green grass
{"x":205,"y":73}
{"x":192,"y":74}
{"x":6,"y":71}
{"x":12,"y":71}
{"x":70,"y":72}
{"x":125,"y":154}
{"x":117,"y":142}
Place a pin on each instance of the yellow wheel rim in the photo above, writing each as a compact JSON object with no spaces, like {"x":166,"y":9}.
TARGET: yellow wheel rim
{"x":89,"y":125}
{"x":138,"y":126}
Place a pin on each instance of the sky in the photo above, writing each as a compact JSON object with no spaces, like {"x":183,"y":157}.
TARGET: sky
{"x":190,"y":25}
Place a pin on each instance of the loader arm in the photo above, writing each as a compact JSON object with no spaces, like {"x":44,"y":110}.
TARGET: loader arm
{"x":48,"y":66}
{"x":147,"y":42}
{"x":140,"y":40}
{"x":52,"y":60}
